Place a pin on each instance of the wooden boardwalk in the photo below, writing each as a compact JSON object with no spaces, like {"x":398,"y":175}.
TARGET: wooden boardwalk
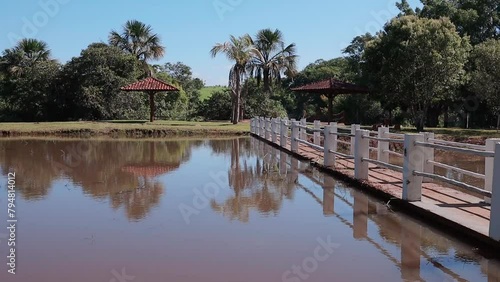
{"x":459,"y":210}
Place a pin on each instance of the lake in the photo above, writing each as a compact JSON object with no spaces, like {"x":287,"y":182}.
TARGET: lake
{"x":208,"y":210}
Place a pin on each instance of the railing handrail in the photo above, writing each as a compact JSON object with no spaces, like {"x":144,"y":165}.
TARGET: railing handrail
{"x":394,"y":153}
{"x":418,"y":157}
{"x":457,"y":169}
{"x":384,"y":139}
{"x":314,"y":146}
{"x":462,"y":185}
{"x":458,"y":144}
{"x":456,"y":149}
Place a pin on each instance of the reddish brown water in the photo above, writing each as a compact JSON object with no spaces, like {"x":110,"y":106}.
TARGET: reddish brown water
{"x":208,"y":210}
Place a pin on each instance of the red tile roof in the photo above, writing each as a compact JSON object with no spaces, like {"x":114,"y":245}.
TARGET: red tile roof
{"x":332,"y":86}
{"x":149,"y":170}
{"x":150,"y":84}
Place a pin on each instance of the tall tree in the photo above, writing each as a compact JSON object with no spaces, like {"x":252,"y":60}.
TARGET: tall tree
{"x":417,"y":62}
{"x":237,"y":50}
{"x":354,"y":54}
{"x":479,"y":19}
{"x":138,"y":39}
{"x":272,"y":58}
{"x":89,"y":86}
{"x":485,"y":75}
{"x":25,"y":54}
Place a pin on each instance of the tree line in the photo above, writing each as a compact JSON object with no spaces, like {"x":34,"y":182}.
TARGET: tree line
{"x":431,"y":66}
{"x":35,"y":87}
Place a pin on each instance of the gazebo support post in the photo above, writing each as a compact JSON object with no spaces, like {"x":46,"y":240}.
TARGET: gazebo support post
{"x":152,"y":106}
{"x":330,"y":106}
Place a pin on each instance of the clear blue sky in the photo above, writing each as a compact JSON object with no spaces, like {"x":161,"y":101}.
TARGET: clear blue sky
{"x":189,"y":28}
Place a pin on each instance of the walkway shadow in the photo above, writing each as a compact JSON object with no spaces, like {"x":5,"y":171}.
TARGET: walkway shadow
{"x":465,"y":205}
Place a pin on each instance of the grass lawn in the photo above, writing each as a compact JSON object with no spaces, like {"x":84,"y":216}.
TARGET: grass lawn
{"x":206,"y":92}
{"x":124,"y":128}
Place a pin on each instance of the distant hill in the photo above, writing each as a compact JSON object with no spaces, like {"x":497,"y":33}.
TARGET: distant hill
{"x":206,"y":92}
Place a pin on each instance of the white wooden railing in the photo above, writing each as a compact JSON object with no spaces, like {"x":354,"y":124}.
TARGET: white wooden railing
{"x":418,"y":155}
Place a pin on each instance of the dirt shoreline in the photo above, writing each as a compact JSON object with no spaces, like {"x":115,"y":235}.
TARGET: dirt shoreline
{"x":123,"y":133}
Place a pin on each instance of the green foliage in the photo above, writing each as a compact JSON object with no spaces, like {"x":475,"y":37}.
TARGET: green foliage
{"x":185,"y":104}
{"x":416,"y":62}
{"x":217,"y":107}
{"x":359,"y":109}
{"x":485,"y":74}
{"x":478,"y":19}
{"x":207,"y":91}
{"x":89,"y":86}
{"x":314,"y":105}
{"x":271,"y":58}
{"x":138,"y":39}
{"x":238,"y":50}
{"x":258,"y":102}
{"x":29,"y":97}
{"x":24,"y":55}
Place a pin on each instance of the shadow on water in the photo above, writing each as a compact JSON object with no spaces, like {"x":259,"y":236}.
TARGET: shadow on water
{"x":269,"y":199}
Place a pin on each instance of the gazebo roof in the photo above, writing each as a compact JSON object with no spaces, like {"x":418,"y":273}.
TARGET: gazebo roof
{"x":150,"y":84}
{"x":149,"y":170}
{"x":332,"y":86}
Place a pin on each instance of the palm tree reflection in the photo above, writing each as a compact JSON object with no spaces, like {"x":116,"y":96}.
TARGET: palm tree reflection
{"x":261,"y":186}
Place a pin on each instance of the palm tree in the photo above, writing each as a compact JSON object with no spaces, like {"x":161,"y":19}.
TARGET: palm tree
{"x":25,"y":54}
{"x":139,"y":40}
{"x":238,"y":50}
{"x":271,"y":58}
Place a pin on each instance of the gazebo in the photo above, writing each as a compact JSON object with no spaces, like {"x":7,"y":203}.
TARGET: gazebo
{"x":331,"y":88}
{"x":151,"y":86}
{"x":151,"y":168}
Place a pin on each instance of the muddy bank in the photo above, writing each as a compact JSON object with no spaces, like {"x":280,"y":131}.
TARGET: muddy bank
{"x":124,"y":133}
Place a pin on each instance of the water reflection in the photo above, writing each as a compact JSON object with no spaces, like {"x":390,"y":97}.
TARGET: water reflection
{"x":274,"y":177}
{"x":286,"y":202}
{"x":124,"y":171}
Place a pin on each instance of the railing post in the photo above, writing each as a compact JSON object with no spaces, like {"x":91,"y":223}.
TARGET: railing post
{"x":268,"y":129}
{"x":317,"y":135}
{"x":413,"y":161}
{"x":382,"y":146}
{"x":257,"y":124}
{"x":335,"y":130}
{"x":295,"y":136}
{"x":428,"y":156}
{"x":263,"y":127}
{"x":495,"y":200}
{"x":284,"y":133}
{"x":273,"y":130}
{"x":329,"y":157}
{"x":302,"y":131}
{"x":354,"y":128}
{"x":488,"y":166}
{"x":251,"y":125}
{"x":361,"y":151}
